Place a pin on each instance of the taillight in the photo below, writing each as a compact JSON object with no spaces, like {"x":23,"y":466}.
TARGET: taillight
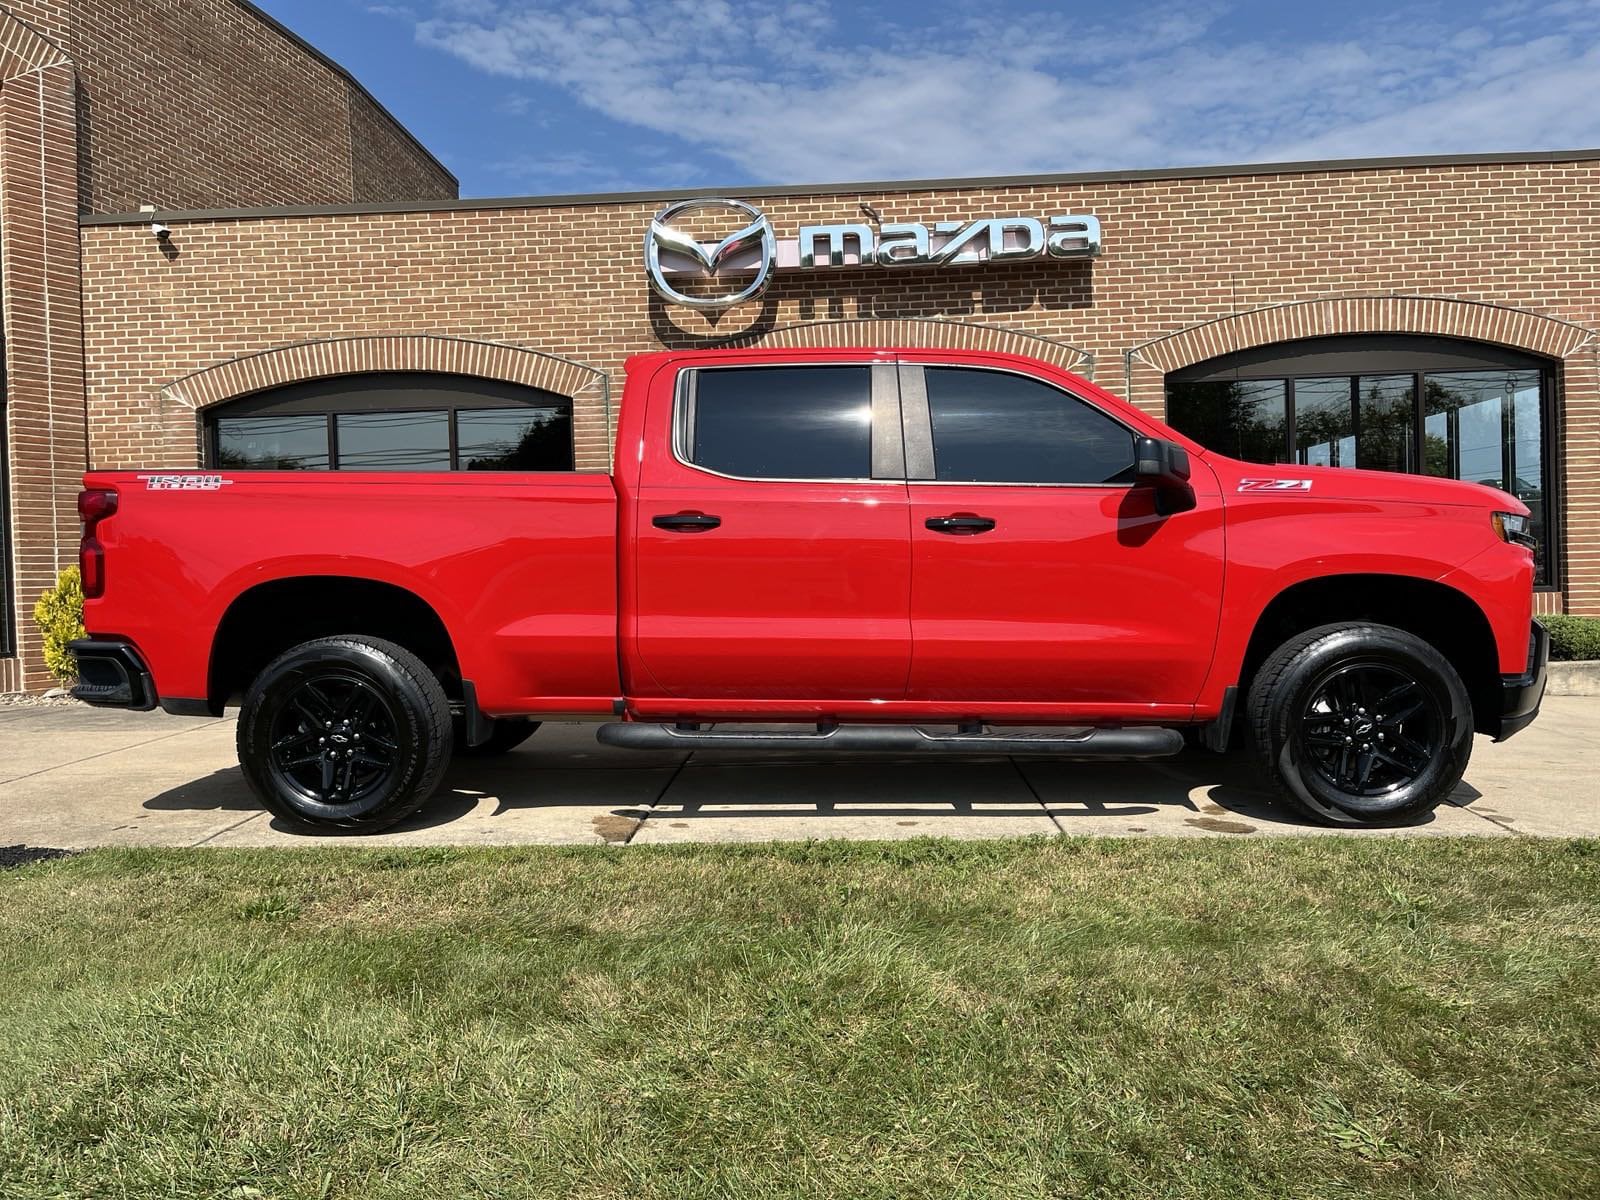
{"x":94,"y":506}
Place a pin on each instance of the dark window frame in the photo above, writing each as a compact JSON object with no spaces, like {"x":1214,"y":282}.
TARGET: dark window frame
{"x":1358,"y":355}
{"x":323,"y":398}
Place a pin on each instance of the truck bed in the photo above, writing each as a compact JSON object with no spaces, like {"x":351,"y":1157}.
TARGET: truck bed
{"x":521,"y":568}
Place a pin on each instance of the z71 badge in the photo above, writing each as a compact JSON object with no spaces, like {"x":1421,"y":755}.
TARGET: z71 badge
{"x":185,"y":483}
{"x":1274,"y":485}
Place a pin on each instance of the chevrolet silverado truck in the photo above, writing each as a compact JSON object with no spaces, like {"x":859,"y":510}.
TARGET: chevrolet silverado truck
{"x":908,"y":551}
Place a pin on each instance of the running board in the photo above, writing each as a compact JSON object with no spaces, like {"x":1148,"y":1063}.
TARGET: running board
{"x":1126,"y":743}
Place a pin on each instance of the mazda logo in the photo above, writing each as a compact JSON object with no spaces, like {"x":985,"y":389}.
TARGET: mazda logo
{"x":755,"y":235}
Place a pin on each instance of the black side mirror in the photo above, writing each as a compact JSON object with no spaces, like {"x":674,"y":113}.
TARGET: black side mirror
{"x":1165,"y":465}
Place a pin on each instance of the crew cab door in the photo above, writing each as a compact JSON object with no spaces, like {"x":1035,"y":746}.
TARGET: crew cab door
{"x":1040,"y":572}
{"x":772,"y":556}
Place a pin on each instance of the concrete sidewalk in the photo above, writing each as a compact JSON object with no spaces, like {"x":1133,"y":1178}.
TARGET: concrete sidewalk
{"x":76,"y":777}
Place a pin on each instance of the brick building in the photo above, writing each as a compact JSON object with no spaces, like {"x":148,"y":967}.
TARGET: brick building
{"x":1431,"y":315}
{"x":110,"y":105}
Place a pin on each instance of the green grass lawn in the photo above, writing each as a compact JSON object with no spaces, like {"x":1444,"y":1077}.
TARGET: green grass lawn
{"x":1305,"y":1018}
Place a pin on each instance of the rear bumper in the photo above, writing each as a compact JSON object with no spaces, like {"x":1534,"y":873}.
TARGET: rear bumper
{"x":1521,"y":695}
{"x":112,"y":675}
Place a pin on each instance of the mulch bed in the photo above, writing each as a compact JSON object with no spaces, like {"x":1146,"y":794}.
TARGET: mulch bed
{"x":21,"y":856}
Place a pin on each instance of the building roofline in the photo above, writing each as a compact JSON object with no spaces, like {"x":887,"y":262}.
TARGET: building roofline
{"x":282,"y":30}
{"x":823,"y":189}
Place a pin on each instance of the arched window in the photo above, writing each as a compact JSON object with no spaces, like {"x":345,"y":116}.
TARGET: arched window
{"x":393,"y":421}
{"x":1426,"y":405}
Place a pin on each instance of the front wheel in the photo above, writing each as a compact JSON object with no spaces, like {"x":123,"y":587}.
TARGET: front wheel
{"x":345,"y":733}
{"x":1360,"y":724}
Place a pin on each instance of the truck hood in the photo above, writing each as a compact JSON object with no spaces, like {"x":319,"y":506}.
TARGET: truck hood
{"x":1339,"y":483}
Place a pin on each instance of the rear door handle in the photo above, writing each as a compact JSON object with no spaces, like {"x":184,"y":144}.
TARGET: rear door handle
{"x":686,"y":522}
{"x":960,"y":523}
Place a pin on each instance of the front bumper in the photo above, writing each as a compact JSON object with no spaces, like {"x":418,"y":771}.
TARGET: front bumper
{"x":1521,"y":695}
{"x":112,"y":675}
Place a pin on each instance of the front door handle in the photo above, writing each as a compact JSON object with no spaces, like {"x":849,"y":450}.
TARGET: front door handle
{"x":686,"y":522}
{"x":960,"y":523}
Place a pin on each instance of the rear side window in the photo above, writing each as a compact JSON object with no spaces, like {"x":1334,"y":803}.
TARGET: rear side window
{"x":780,"y":422}
{"x":994,"y":427}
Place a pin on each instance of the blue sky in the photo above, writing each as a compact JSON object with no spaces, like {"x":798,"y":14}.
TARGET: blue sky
{"x":531,"y":96}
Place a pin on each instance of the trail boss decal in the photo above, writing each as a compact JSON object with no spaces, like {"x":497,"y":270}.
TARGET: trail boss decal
{"x":1274,"y":485}
{"x":185,"y":483}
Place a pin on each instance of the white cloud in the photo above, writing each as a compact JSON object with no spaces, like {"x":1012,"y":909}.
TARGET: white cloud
{"x":792,"y":90}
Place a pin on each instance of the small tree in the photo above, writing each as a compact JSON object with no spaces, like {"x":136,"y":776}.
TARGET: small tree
{"x":59,"y":615}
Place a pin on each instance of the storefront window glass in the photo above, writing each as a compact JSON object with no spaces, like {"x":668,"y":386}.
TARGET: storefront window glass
{"x":394,"y":422}
{"x":1484,"y":426}
{"x":273,"y":443}
{"x":1245,"y":418}
{"x":1324,"y":424}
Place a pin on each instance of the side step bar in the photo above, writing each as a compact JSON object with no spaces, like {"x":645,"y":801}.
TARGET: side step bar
{"x":1128,"y":743}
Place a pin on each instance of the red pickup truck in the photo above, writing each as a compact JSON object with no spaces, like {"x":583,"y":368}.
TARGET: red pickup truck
{"x":917,"y":551}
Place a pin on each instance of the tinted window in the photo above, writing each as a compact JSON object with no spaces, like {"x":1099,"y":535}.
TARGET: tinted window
{"x":993,"y":427}
{"x":503,"y":439}
{"x":782,"y":422}
{"x":404,"y":441}
{"x":273,"y":443}
{"x":1245,"y":418}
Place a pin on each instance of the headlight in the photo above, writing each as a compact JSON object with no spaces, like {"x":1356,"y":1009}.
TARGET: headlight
{"x":1512,"y":528}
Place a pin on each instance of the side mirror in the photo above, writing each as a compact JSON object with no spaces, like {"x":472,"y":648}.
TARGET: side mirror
{"x":1165,"y":465}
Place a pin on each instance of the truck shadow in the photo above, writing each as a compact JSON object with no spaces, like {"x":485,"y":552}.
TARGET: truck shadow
{"x":558,"y":785}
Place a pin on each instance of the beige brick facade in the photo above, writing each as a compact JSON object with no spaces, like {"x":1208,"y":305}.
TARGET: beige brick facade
{"x":1504,"y":252}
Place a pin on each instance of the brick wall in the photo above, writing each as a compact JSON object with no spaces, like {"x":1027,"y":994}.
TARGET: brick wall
{"x":206,"y":104}
{"x":568,"y":280}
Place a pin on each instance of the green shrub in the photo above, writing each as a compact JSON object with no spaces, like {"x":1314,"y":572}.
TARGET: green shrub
{"x":59,"y":615}
{"x":1573,"y":639}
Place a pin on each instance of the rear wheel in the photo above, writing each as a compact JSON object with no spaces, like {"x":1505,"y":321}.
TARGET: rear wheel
{"x":1360,"y":724}
{"x":345,"y":733}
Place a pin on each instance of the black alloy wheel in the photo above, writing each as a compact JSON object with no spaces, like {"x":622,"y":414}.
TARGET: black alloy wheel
{"x":345,"y":733}
{"x":1370,"y":729}
{"x":334,"y":740}
{"x":1360,"y":724}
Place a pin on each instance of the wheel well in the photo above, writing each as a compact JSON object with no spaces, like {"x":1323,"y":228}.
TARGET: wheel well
{"x":268,"y":619}
{"x":1446,"y":619}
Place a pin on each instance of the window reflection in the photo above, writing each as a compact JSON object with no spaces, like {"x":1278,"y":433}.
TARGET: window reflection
{"x":1324,"y":426}
{"x":1487,"y":427}
{"x":273,"y":443}
{"x":783,"y":422}
{"x":1243,"y":418}
{"x":512,"y":439}
{"x":1387,"y":405}
{"x":400,"y":441}
{"x":995,"y":427}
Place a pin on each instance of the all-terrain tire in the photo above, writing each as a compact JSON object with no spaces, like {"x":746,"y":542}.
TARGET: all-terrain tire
{"x":348,"y":732}
{"x":1320,"y":732}
{"x":507,"y":735}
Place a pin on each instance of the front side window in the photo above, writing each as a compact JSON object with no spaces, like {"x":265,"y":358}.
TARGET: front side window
{"x":996,"y":427}
{"x":1485,"y":425}
{"x":394,"y":422}
{"x":780,"y":422}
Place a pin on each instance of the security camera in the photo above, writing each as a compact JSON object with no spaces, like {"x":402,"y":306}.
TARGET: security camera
{"x":161,"y":232}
